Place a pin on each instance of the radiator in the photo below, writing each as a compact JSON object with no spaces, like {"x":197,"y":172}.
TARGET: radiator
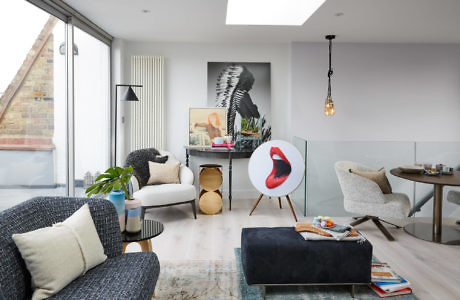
{"x":147,"y":116}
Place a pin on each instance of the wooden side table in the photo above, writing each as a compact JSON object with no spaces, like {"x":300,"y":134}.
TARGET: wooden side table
{"x":149,"y":230}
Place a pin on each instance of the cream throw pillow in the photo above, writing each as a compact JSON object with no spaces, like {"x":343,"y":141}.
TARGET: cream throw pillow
{"x":57,"y":255}
{"x":163,"y":173}
{"x":378,"y":177}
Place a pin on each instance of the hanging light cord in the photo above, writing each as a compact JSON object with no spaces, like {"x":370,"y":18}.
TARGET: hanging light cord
{"x":330,"y":72}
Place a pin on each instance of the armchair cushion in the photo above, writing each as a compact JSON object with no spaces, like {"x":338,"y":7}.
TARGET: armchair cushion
{"x":139,"y":160}
{"x":163,"y":173}
{"x":162,"y":194}
{"x":378,"y":177}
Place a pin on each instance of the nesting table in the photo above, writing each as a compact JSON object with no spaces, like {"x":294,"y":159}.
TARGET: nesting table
{"x":214,"y":152}
{"x":149,"y":230}
{"x":435,"y":232}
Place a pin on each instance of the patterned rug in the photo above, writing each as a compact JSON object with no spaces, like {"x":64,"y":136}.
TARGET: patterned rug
{"x":204,"y":279}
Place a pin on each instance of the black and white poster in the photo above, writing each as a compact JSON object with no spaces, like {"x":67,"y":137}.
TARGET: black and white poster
{"x":245,"y":90}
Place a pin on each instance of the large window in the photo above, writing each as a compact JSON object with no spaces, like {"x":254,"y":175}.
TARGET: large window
{"x":92,"y":108}
{"x":36,"y":124}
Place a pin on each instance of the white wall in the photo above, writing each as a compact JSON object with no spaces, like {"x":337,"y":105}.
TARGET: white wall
{"x":186,"y":86}
{"x":394,"y":92}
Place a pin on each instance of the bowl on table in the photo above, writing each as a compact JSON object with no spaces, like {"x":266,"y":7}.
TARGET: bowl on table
{"x":412,"y":169}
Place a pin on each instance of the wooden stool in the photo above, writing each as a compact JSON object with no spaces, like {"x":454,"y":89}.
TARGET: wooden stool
{"x":210,"y":179}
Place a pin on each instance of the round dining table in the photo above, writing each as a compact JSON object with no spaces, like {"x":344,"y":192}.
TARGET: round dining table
{"x":435,"y":232}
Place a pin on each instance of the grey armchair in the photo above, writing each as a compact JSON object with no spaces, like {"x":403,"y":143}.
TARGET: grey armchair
{"x":363,"y":196}
{"x":121,"y":276}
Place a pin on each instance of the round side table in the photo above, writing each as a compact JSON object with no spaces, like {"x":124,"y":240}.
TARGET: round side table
{"x":149,"y":230}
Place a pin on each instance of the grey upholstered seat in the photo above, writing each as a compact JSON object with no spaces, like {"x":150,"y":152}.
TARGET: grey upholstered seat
{"x":454,"y":197}
{"x":121,"y":276}
{"x":363,"y":196}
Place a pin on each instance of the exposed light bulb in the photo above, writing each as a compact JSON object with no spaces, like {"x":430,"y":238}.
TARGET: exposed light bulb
{"x":329,"y":109}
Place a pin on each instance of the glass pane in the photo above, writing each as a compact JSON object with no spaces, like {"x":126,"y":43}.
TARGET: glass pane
{"x":92,"y":107}
{"x":447,"y":153}
{"x":299,"y":195}
{"x":324,"y":196}
{"x":32,"y":104}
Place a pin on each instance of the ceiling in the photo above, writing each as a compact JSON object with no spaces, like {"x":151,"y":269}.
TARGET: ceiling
{"x":381,"y":21}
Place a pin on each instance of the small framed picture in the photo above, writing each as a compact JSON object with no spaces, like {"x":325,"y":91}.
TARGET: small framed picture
{"x":205,"y":124}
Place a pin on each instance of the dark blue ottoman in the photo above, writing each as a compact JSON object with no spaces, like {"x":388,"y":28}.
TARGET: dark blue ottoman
{"x":280,"y":255}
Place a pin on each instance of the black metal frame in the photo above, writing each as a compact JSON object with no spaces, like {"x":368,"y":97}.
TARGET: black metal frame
{"x":352,"y":285}
{"x":377,"y":221}
{"x":192,"y":202}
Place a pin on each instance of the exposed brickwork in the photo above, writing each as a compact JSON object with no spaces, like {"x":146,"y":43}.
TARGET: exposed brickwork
{"x":27,"y":107}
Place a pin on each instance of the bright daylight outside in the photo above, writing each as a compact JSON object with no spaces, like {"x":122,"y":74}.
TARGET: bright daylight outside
{"x":33,"y":117}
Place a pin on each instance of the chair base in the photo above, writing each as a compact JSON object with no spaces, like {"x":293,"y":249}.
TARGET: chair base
{"x":377,"y":221}
{"x":192,"y":202}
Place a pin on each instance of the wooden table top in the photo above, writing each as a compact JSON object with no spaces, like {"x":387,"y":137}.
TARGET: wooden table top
{"x":452,"y":180}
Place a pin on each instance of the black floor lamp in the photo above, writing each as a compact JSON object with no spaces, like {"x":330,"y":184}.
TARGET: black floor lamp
{"x":129,"y":95}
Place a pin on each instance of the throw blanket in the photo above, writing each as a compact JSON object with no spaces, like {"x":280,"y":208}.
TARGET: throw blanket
{"x":139,"y":159}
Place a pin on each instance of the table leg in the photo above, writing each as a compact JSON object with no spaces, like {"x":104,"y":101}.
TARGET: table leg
{"x":187,"y":155}
{"x":437,"y":213}
{"x":230,"y":179}
{"x":146,"y":245}
{"x":124,"y":247}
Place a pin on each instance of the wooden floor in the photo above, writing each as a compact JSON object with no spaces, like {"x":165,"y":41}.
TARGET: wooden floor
{"x":433,"y":269}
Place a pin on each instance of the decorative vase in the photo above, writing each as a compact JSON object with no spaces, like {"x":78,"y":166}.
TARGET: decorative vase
{"x":133,"y":223}
{"x":133,"y":203}
{"x":117,"y":198}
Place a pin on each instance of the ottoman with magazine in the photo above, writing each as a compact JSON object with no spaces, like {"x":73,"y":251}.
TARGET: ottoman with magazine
{"x":281,"y":256}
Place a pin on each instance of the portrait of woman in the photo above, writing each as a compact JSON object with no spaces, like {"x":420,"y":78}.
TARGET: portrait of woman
{"x":205,"y":124}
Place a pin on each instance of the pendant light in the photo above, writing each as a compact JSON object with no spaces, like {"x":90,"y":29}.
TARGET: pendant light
{"x":329,"y":109}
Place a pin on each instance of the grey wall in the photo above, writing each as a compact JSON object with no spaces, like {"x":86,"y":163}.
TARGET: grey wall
{"x":186,"y":86}
{"x":381,"y":92}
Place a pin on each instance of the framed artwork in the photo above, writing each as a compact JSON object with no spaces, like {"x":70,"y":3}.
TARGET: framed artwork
{"x":245,"y":90}
{"x":205,"y":124}
{"x":276,"y":168}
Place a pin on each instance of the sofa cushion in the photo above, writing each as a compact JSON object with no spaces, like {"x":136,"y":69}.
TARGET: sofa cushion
{"x":15,"y":279}
{"x":161,"y":194}
{"x":74,"y":243}
{"x":128,"y":276}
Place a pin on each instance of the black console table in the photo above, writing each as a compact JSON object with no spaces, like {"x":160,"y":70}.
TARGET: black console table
{"x":210,"y":152}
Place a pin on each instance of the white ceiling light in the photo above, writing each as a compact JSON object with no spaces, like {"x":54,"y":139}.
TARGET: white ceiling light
{"x":270,"y":12}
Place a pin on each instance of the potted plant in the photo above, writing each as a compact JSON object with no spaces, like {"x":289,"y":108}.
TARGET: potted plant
{"x":114,"y":181}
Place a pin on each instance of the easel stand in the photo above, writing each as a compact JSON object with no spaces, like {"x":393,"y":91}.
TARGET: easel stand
{"x":279,"y":200}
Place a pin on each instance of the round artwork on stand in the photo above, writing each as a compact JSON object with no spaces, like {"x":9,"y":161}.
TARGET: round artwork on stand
{"x":276,"y":168}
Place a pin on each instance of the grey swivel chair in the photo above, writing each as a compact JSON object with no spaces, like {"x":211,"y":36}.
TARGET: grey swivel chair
{"x":454,"y":197}
{"x":364,"y":197}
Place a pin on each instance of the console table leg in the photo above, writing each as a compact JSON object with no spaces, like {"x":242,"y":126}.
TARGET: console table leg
{"x":230,"y":179}
{"x":186,"y":157}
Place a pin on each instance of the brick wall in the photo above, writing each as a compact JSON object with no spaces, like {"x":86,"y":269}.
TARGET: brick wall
{"x":27,"y":120}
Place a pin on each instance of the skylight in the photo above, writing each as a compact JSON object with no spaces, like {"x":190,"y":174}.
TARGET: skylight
{"x":271,"y":12}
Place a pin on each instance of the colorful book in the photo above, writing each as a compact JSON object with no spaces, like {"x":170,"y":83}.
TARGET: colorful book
{"x":381,"y":272}
{"x":382,"y":294}
{"x":391,"y":286}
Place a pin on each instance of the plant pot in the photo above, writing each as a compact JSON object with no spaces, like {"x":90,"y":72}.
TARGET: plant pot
{"x":118,"y":200}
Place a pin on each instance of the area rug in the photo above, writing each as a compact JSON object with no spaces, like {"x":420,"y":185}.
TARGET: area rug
{"x":224,"y":279}
{"x":197,"y":279}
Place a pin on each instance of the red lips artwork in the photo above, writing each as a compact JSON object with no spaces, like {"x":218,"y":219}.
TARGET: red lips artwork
{"x":281,"y":168}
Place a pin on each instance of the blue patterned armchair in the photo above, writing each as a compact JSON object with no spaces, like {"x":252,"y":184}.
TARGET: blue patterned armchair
{"x":121,"y":276}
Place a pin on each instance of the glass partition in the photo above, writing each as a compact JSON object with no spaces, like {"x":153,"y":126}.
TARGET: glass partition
{"x":321,"y":194}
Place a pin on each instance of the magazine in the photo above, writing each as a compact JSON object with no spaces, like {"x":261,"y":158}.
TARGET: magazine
{"x":382,"y":294}
{"x":381,"y":272}
{"x":391,"y":286}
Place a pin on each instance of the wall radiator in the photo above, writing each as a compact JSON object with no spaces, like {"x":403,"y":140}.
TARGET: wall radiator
{"x":147,"y":116}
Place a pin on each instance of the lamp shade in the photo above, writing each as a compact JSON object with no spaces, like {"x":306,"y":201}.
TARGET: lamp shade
{"x":129,"y":95}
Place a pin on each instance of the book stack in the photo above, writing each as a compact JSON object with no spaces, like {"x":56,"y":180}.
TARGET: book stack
{"x":386,"y":283}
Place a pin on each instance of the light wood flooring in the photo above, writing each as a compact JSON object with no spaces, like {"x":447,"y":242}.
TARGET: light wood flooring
{"x":433,"y":269}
